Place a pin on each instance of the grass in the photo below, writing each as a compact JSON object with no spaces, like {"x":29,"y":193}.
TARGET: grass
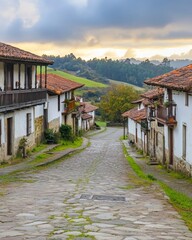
{"x":86,"y":82}
{"x":40,"y":159}
{"x":39,"y":148}
{"x":101,"y":124}
{"x":68,"y":144}
{"x":181,"y":202}
{"x":128,"y":84}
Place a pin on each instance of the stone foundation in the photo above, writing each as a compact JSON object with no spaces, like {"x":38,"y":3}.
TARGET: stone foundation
{"x":39,"y":129}
{"x":54,"y":124}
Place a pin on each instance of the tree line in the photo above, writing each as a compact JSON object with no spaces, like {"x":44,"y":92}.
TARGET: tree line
{"x":102,"y":70}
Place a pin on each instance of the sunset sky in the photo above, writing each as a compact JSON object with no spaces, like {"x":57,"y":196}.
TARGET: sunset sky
{"x":99,"y":28}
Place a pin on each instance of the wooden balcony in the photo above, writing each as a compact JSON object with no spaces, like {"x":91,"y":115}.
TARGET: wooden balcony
{"x":17,"y":99}
{"x":151,"y":114}
{"x":70,"y":106}
{"x":144,"y":125}
{"x":167,"y":114}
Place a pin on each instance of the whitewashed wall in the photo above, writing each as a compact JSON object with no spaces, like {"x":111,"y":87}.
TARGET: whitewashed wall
{"x":39,"y":111}
{"x":184,"y":116}
{"x":20,"y":121}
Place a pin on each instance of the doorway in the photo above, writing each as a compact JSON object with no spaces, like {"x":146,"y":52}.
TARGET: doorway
{"x":9,"y":135}
{"x":171,"y":146}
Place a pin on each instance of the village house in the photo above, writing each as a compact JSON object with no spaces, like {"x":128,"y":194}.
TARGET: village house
{"x":161,"y":124}
{"x":174,"y":115}
{"x":86,"y":118}
{"x":61,"y":105}
{"x":22,"y":99}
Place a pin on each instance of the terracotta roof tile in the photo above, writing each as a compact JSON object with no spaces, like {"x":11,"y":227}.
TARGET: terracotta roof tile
{"x":135,"y":114}
{"x":138,"y":101}
{"x":86,"y":116}
{"x":88,"y":107}
{"x":179,"y":79}
{"x":59,"y":85}
{"x":13,"y":53}
{"x":154,"y":93}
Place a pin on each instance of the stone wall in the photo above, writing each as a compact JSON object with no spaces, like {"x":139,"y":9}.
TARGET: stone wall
{"x":179,"y":165}
{"x":54,"y":124}
{"x":39,"y":129}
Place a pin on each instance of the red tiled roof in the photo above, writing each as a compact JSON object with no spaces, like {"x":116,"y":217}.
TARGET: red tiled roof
{"x":88,"y":107}
{"x":154,"y":93}
{"x":86,"y":116}
{"x":13,"y":53}
{"x":179,"y":79}
{"x":135,"y":114}
{"x":138,"y":101}
{"x":59,"y":85}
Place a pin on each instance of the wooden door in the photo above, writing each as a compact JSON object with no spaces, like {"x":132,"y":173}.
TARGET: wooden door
{"x":9,"y":135}
{"x":171,"y":146}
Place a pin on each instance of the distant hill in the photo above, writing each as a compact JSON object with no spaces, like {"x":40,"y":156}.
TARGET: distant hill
{"x":100,"y":70}
{"x":87,"y":82}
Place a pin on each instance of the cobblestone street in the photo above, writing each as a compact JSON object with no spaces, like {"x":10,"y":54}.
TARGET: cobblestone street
{"x":91,"y":195}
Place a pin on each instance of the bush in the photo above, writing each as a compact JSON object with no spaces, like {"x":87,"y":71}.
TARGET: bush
{"x":51,"y":136}
{"x":66,"y":132}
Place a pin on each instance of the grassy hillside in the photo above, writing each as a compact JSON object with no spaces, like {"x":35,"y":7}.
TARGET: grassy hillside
{"x":87,"y":82}
{"x":128,"y":84}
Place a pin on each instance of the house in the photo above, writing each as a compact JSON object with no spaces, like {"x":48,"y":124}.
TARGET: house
{"x":22,"y":99}
{"x":142,"y":128}
{"x":86,"y":115}
{"x":136,"y":133}
{"x":61,"y":107}
{"x":174,"y":116}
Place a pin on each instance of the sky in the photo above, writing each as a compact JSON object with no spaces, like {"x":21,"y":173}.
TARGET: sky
{"x":115,"y":29}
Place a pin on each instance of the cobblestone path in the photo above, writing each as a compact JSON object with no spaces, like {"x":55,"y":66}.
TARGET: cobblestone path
{"x":91,"y":195}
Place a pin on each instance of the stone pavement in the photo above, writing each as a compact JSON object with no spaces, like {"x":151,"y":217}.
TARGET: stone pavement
{"x":57,"y":155}
{"x":181,"y":185}
{"x":91,"y":195}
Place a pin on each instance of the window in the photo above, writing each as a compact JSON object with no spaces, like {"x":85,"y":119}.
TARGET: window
{"x":184,"y":140}
{"x":28,"y":124}
{"x":186,"y":99}
{"x":58,"y":103}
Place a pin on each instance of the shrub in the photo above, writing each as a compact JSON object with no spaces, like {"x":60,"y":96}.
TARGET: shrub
{"x":51,"y":136}
{"x":66,"y":132}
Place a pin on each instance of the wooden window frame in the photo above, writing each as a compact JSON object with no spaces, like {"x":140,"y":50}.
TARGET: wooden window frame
{"x":186,"y":99}
{"x":184,"y":141}
{"x":59,"y":103}
{"x":28,"y":124}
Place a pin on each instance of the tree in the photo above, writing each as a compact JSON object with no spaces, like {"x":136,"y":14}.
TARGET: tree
{"x":117,"y":100}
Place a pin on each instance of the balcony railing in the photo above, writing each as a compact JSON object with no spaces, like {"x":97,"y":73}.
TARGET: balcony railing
{"x":16,"y":99}
{"x":167,"y":114}
{"x":144,"y":125}
{"x":70,"y":106}
{"x":151,"y":113}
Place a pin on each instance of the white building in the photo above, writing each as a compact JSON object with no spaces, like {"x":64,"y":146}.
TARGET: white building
{"x":175,"y":116}
{"x":22,"y":99}
{"x":86,"y":116}
{"x":61,"y":106}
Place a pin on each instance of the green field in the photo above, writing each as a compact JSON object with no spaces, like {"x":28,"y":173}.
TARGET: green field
{"x":86,"y":82}
{"x":127,"y":84}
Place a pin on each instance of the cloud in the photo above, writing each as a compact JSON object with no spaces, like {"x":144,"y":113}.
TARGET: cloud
{"x":91,"y":23}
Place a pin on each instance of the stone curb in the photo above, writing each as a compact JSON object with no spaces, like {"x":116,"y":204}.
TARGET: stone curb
{"x":57,"y":156}
{"x":179,"y":185}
